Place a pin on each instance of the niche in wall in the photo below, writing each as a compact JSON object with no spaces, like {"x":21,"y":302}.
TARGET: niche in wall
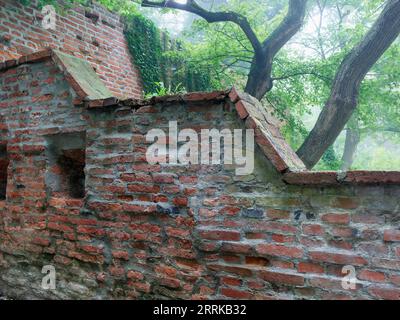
{"x":65,"y":175}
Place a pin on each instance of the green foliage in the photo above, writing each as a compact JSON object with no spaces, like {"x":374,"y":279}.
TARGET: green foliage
{"x":67,"y":3}
{"x":329,"y":160}
{"x":303,"y":80}
{"x":145,"y":46}
{"x":121,"y":6}
{"x":381,"y":152}
{"x":157,"y":63}
{"x":193,"y":76}
{"x":162,"y":90}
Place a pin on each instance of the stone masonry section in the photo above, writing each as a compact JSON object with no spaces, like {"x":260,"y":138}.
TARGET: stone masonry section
{"x":143,"y":231}
{"x":94,"y":34}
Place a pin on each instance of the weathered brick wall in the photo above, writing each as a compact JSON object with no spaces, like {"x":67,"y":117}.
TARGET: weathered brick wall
{"x":91,"y":33}
{"x":36,"y":101}
{"x":168,"y":231}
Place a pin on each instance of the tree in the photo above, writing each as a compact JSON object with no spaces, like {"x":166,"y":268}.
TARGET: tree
{"x":332,"y":29}
{"x":346,"y":86}
{"x":259,"y":80}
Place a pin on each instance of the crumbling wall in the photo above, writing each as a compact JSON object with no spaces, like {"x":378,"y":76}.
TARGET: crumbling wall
{"x":203,"y":232}
{"x":92,"y":33}
{"x":175,"y":231}
{"x":37,"y":103}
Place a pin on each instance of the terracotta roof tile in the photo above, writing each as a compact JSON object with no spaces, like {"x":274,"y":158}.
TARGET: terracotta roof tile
{"x":267,"y":134}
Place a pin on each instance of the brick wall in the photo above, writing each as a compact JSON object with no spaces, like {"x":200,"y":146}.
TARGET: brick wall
{"x":92,"y":33}
{"x":173,"y":231}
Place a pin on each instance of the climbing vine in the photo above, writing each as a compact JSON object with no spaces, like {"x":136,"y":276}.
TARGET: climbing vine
{"x":161,"y":60}
{"x":144,"y":43}
{"x":65,"y":5}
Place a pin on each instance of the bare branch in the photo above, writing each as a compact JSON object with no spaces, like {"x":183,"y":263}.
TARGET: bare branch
{"x":211,"y":17}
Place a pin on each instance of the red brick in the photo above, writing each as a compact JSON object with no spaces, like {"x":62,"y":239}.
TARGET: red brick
{"x":139,"y":209}
{"x":391,"y":235}
{"x":230,"y":211}
{"x":181,"y":201}
{"x":188,"y":179}
{"x":234,"y":95}
{"x":337,"y":258}
{"x":373,"y":177}
{"x":95,"y":259}
{"x":141,"y":188}
{"x":313,"y":229}
{"x":386,"y":293}
{"x":281,"y":264}
{"x":91,"y":249}
{"x":41,"y":241}
{"x":170,"y":283}
{"x":371,"y":276}
{"x":395,"y":279}
{"x":279,"y":250}
{"x":305,"y":267}
{"x":163,"y":178}
{"x":231,"y":281}
{"x":280,"y":238}
{"x":117,"y":271}
{"x":118,"y":254}
{"x":311,"y":178}
{"x":235,"y":294}
{"x":59,"y":227}
{"x":135,"y":275}
{"x":91,"y":231}
{"x":336,"y":218}
{"x":237,"y":270}
{"x":282,"y":278}
{"x":241,"y":109}
{"x":240,"y":248}
{"x":220,"y":235}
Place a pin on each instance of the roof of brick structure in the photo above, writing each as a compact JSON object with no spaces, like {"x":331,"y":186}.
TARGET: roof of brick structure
{"x":78,"y":72}
{"x":92,"y":93}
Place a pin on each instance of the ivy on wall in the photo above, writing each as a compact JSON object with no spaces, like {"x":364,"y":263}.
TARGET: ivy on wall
{"x":193,"y":77}
{"x":144,"y":43}
{"x":160,"y":59}
{"x":60,"y":6}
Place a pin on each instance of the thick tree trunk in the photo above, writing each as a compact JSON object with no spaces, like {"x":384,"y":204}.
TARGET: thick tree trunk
{"x":259,"y":81}
{"x":351,"y":144}
{"x":345,"y":90}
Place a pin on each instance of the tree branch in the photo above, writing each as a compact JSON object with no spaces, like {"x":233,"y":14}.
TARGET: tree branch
{"x":211,"y":17}
{"x":288,"y":28}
